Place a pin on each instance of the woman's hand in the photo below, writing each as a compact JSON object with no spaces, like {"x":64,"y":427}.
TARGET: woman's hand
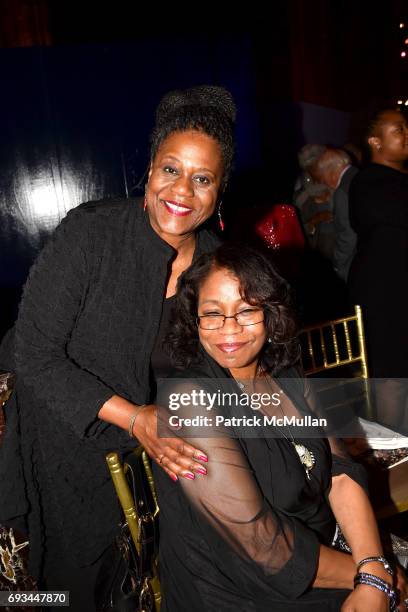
{"x":366,"y":598}
{"x":176,"y":457}
{"x":361,"y":600}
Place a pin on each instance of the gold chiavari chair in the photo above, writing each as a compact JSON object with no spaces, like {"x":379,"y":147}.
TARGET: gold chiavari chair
{"x":134,"y":485}
{"x":337,"y":349}
{"x":334,"y":344}
{"x":14,"y":546}
{"x":339,"y":346}
{"x":6,"y":388}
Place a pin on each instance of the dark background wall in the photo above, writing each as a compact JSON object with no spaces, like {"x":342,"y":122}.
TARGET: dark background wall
{"x":80,"y":82}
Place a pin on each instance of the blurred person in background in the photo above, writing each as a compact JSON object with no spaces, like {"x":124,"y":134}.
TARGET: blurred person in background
{"x":379,"y":271}
{"x":307,"y":157}
{"x":334,"y":169}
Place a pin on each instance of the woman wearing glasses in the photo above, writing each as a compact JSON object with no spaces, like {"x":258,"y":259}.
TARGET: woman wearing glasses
{"x":256,"y":532}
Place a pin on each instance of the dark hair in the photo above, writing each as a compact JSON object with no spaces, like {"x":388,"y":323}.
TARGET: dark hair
{"x":365,"y":123}
{"x":375,"y":120}
{"x":207,"y":109}
{"x":374,"y":123}
{"x":260,"y":285}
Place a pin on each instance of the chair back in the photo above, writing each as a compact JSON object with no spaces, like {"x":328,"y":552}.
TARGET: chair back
{"x":7,"y":380}
{"x":337,"y":349}
{"x":134,"y":485}
{"x":334,"y":344}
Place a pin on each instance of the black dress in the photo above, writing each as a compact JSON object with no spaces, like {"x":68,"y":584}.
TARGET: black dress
{"x":378,"y":279}
{"x":247,"y":535}
{"x":87,"y":327}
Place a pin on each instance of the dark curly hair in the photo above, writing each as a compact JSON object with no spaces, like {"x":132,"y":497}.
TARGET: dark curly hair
{"x":260,"y":285}
{"x":207,"y":109}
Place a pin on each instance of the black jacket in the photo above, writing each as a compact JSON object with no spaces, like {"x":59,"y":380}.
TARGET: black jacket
{"x":379,"y":271}
{"x":346,"y":238}
{"x":86,"y":329}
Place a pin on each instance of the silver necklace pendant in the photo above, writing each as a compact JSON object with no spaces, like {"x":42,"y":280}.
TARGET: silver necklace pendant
{"x":306,"y":457}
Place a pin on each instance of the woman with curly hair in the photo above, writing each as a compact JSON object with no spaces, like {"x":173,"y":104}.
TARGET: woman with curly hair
{"x":88,"y":344}
{"x":256,"y":532}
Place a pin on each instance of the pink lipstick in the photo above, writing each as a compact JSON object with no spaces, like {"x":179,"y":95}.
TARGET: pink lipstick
{"x":175,"y":208}
{"x":230,"y":347}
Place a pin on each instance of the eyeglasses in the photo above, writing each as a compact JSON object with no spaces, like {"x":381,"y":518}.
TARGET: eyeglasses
{"x":249,"y":316}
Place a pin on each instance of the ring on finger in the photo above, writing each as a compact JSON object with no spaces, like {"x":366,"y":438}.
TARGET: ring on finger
{"x":160,"y":459}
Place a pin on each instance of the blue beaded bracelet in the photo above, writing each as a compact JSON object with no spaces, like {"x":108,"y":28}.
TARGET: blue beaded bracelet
{"x":380,"y":559}
{"x":378,"y":583}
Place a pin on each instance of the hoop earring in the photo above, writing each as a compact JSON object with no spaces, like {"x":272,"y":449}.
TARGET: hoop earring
{"x":145,"y":203}
{"x":220,"y":220}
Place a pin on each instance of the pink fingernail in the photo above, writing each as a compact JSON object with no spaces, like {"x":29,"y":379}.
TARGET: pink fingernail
{"x":173,"y":477}
{"x":203,"y":458}
{"x":201,"y":470}
{"x":189,"y":475}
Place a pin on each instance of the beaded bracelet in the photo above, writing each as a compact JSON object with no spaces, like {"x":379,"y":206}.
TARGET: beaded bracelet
{"x":380,"y":559}
{"x":378,"y":583}
{"x":132,"y":421}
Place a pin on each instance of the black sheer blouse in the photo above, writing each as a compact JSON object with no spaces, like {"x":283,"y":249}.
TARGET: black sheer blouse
{"x":247,"y":535}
